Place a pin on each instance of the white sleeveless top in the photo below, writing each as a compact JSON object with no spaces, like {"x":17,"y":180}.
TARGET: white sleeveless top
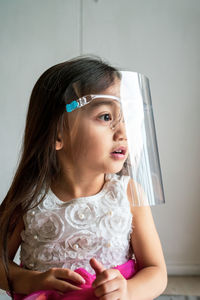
{"x":68,"y":234}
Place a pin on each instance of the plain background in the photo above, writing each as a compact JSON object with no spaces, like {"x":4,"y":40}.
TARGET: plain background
{"x":159,"y":38}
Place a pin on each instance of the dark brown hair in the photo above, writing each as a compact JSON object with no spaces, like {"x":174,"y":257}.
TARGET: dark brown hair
{"x":38,"y":165}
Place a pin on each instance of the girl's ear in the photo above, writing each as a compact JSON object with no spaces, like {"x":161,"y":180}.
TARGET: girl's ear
{"x":59,"y":142}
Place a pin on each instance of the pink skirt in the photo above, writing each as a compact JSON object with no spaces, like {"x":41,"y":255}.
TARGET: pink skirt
{"x":127,"y":269}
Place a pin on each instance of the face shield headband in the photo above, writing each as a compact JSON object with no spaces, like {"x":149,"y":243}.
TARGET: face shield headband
{"x":131,"y":107}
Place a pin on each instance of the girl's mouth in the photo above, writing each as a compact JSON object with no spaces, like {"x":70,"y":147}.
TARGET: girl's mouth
{"x":119,"y":153}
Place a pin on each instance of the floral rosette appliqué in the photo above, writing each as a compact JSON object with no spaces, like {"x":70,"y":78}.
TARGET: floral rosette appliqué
{"x":114,"y":196}
{"x":80,"y":244}
{"x":115,"y":223}
{"x":81,"y":215}
{"x":43,"y":227}
{"x":48,"y":203}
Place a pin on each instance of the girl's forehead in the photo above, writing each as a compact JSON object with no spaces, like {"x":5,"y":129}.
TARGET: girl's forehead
{"x":114,"y":89}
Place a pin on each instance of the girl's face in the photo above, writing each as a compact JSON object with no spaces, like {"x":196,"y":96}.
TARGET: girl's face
{"x":91,"y":139}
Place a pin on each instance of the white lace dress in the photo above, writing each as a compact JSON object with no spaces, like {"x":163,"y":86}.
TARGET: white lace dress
{"x":67,"y":234}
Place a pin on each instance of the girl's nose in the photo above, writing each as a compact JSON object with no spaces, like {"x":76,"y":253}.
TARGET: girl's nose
{"x":119,"y":131}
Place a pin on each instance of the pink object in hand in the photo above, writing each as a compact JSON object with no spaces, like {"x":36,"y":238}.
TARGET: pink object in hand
{"x":127,"y":269}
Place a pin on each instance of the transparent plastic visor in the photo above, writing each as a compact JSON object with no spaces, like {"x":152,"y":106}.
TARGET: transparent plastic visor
{"x":113,"y":131}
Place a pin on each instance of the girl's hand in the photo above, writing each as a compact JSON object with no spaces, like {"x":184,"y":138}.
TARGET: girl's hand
{"x":109,"y":283}
{"x":57,"y":279}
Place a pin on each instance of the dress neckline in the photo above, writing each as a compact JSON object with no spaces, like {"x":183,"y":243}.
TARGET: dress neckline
{"x":80,"y":199}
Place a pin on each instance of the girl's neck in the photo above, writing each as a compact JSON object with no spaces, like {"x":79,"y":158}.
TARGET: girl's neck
{"x":67,"y":187}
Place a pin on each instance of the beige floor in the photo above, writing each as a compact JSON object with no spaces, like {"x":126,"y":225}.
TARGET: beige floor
{"x":183,"y":285}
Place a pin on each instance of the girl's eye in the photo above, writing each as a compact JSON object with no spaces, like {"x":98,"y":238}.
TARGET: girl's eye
{"x":105,"y":117}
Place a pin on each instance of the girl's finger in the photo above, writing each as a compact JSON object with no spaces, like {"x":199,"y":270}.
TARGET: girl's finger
{"x":111,"y":296}
{"x":64,"y":286}
{"x":69,"y":275}
{"x":105,"y":276}
{"x":97,"y":266}
{"x":106,"y":288}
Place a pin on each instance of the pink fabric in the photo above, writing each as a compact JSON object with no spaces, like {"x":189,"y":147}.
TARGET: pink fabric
{"x":127,"y":269}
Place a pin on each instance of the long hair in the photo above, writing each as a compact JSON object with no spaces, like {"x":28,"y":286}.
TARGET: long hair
{"x":39,"y":166}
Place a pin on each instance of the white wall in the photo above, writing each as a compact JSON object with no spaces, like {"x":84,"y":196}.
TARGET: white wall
{"x":34,"y":36}
{"x":159,"y":38}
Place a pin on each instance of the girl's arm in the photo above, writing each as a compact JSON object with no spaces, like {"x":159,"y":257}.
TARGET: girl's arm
{"x":13,"y":244}
{"x":151,"y":280}
{"x":19,"y":277}
{"x":27,"y":281}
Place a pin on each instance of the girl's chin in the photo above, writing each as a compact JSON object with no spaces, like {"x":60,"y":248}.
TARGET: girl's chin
{"x":115,"y":169}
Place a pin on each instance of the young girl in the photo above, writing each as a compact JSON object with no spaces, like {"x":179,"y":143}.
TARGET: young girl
{"x":68,"y":206}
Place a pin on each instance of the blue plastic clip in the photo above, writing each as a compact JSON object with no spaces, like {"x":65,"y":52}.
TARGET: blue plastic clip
{"x":72,"y":106}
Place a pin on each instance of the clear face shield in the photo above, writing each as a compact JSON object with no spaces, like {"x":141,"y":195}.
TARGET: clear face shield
{"x":113,"y":131}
